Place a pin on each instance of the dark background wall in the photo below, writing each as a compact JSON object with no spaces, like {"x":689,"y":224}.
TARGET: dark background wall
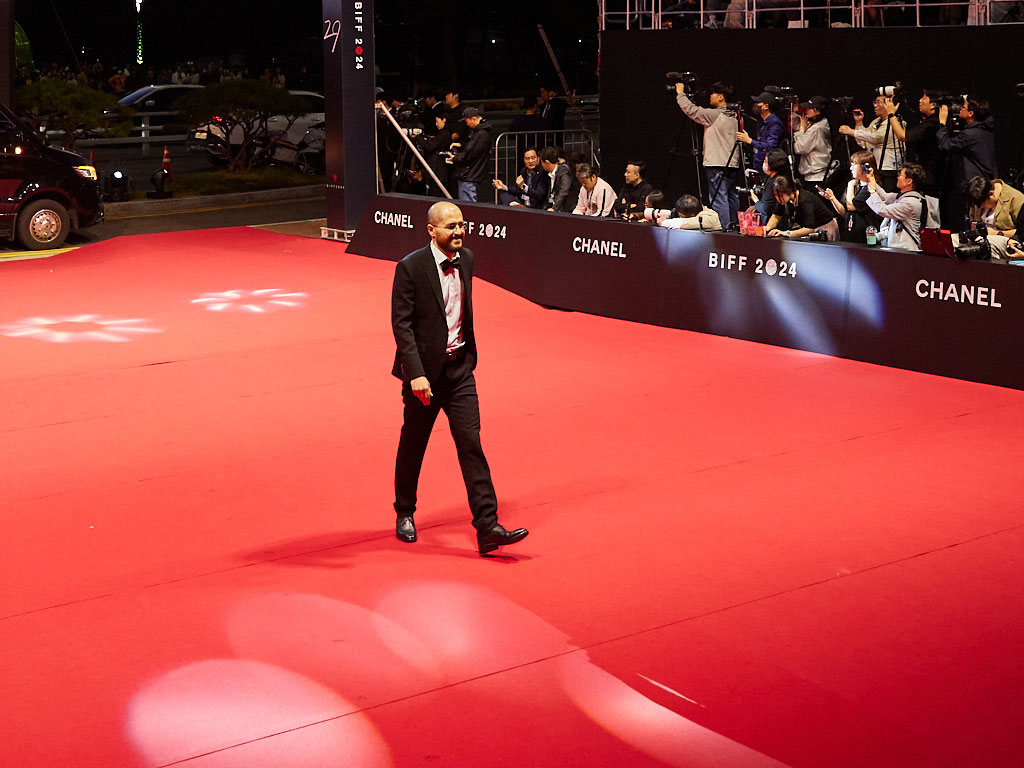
{"x":640,"y":119}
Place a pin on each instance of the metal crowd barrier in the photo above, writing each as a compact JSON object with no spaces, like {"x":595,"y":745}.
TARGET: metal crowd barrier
{"x":509,"y":148}
{"x":750,"y":14}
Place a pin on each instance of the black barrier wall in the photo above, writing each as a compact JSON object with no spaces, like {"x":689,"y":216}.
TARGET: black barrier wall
{"x":906,"y":310}
{"x":640,"y":119}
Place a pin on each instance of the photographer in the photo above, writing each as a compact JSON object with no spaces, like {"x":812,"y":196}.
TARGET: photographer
{"x":854,"y":204}
{"x":995,"y":204}
{"x":721,"y":158}
{"x":799,"y":213}
{"x":690,"y":214}
{"x":596,"y":196}
{"x":470,"y":157}
{"x":776,"y":164}
{"x":812,"y":140}
{"x":531,"y":184}
{"x":770,"y":129}
{"x":881,"y":137}
{"x":434,"y":148}
{"x":922,"y":140}
{"x":972,"y":150}
{"x":630,"y":203}
{"x":903,"y":212}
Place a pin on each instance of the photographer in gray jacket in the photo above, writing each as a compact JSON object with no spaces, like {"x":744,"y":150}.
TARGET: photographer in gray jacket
{"x":721,"y":155}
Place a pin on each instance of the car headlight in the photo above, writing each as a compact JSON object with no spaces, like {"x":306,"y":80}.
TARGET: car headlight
{"x":87,"y":171}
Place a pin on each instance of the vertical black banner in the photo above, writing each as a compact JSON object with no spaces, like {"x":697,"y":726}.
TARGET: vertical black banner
{"x":7,"y":51}
{"x":348,"y":93}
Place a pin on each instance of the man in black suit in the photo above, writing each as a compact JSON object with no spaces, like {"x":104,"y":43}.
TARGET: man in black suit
{"x":432,"y":319}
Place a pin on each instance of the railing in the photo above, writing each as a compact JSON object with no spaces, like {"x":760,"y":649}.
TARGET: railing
{"x":752,"y":14}
{"x":509,"y":148}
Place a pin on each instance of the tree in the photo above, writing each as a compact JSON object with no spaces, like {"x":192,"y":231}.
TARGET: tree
{"x":65,"y":107}
{"x":234,"y":114}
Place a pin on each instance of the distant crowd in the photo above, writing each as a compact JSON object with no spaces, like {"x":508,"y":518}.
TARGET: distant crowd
{"x":122,"y":80}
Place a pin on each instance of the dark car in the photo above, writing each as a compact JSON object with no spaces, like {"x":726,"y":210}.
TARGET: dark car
{"x":44,"y":192}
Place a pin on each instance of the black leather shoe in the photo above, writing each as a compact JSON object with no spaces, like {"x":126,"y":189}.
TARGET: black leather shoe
{"x":498,"y":537}
{"x":405,"y":529}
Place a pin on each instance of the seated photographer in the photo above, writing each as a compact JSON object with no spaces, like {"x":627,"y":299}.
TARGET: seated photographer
{"x":799,"y":213}
{"x":776,"y":164}
{"x":880,"y":137}
{"x":689,"y":214}
{"x":903,"y":213}
{"x":995,"y":204}
{"x":854,"y":204}
{"x":630,"y":202}
{"x":531,"y":184}
{"x":596,"y":196}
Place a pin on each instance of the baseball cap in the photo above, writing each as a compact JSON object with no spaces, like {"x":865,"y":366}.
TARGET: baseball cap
{"x":819,"y":103}
{"x":764,"y":96}
{"x":470,"y":112}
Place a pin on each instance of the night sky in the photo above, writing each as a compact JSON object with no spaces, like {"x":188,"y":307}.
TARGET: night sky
{"x":426,"y":42}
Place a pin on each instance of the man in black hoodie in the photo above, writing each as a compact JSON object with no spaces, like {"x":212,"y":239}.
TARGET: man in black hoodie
{"x":972,"y":151}
{"x":472,"y":155}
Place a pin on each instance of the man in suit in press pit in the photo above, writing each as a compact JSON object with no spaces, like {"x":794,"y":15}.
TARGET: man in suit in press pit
{"x":432,"y":319}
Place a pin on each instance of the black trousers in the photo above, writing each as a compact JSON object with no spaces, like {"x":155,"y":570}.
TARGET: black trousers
{"x":455,"y":394}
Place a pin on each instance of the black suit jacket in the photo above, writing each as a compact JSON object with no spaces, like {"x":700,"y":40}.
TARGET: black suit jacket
{"x":417,"y":315}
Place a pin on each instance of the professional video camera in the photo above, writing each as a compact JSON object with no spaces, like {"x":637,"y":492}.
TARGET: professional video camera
{"x":974,"y":245}
{"x":894,"y":92}
{"x":844,"y":102}
{"x":782,"y":92}
{"x":689,"y":79}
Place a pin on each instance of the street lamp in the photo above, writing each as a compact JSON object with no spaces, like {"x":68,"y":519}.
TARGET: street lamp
{"x":138,"y":31}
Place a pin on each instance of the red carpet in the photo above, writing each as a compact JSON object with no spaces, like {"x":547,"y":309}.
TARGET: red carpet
{"x":739,"y":555}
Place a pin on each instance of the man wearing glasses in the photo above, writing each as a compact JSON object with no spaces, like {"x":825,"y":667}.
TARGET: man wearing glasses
{"x":432,"y":319}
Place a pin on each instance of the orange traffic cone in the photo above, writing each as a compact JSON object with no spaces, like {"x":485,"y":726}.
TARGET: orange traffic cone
{"x":166,"y":164}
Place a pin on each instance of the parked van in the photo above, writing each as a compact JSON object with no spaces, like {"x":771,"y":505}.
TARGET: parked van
{"x":45,"y":192}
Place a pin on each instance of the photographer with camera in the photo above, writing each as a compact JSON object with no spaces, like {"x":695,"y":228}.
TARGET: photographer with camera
{"x":971,"y":148}
{"x":690,"y":214}
{"x":799,"y":213}
{"x":904,"y":212}
{"x":995,"y":204}
{"x":770,"y":130}
{"x":854,"y":204}
{"x":471,"y":156}
{"x":776,"y":164}
{"x":631,"y":200}
{"x":922,"y":139}
{"x":812,"y":139}
{"x":721,"y":158}
{"x":880,"y":136}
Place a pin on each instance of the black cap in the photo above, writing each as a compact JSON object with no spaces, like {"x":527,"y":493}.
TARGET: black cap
{"x":470,"y":112}
{"x":819,"y":103}
{"x":764,"y":97}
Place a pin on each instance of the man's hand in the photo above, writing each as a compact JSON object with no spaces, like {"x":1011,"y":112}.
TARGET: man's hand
{"x":421,"y":388}
{"x":499,"y":184}
{"x":891,"y":108}
{"x":846,"y":130}
{"x":520,"y":182}
{"x":680,"y":88}
{"x":744,"y":137}
{"x":943,"y":114}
